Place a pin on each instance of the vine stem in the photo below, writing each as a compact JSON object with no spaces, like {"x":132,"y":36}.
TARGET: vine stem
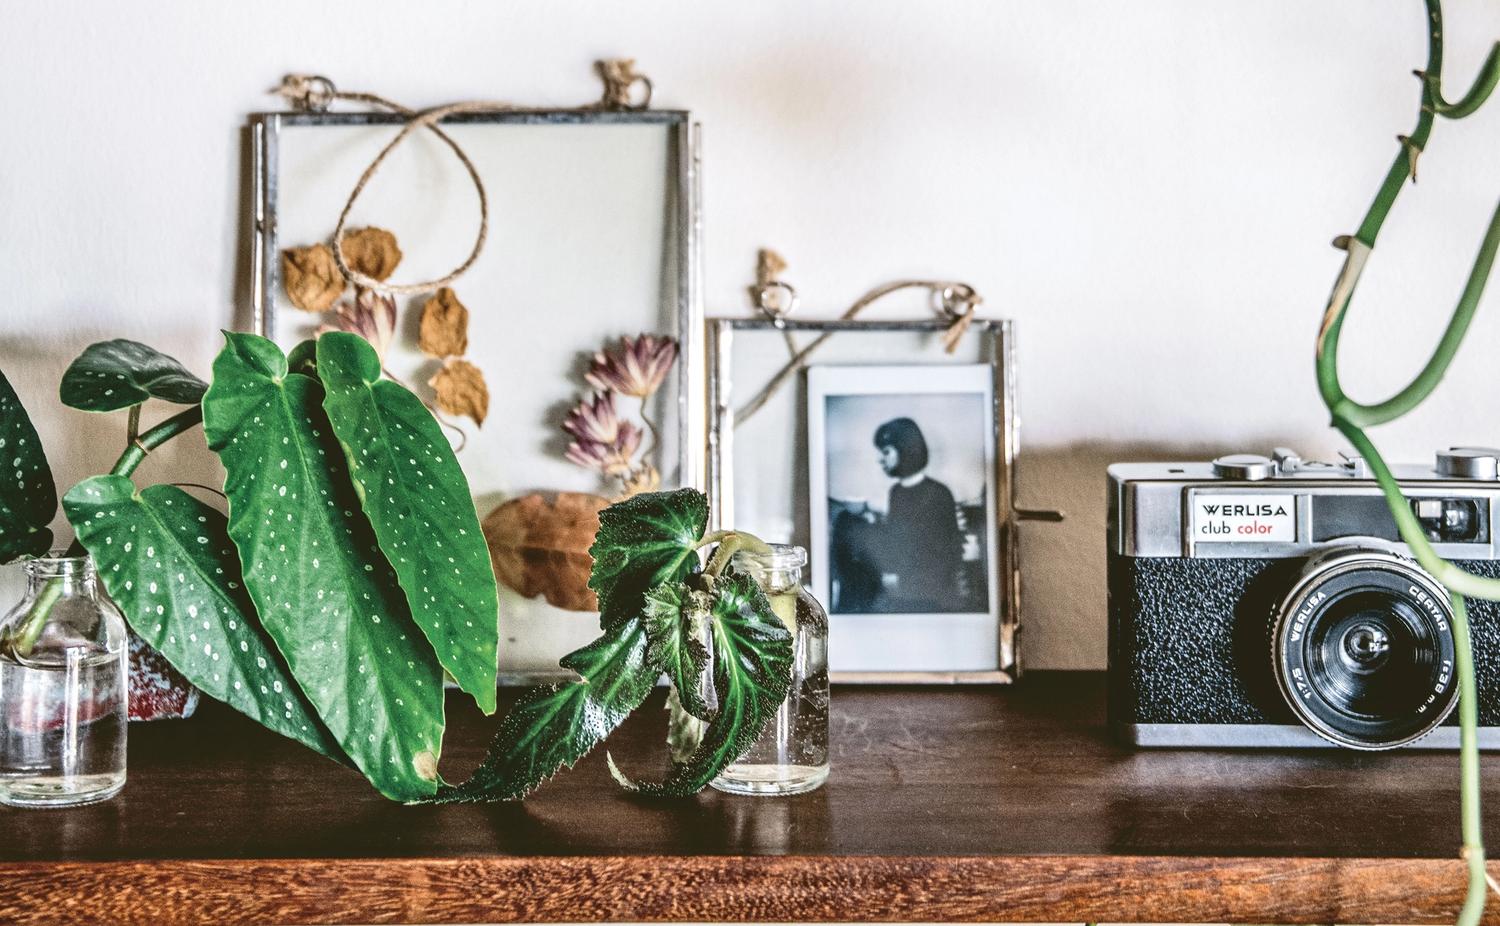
{"x":1351,"y":417}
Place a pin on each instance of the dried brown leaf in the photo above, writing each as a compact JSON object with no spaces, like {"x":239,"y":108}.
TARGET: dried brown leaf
{"x":461,"y":390}
{"x":540,"y":546}
{"x":371,"y":251}
{"x":444,"y":331}
{"x":312,"y":279}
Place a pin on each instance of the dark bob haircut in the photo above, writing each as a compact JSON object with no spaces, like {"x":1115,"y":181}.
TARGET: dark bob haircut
{"x":906,"y":438}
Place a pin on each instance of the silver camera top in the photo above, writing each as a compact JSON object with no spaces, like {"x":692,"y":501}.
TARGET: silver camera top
{"x":1248,"y":505}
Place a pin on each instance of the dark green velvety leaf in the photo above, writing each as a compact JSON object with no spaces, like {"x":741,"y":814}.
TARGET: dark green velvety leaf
{"x":28,"y":497}
{"x":112,"y":375}
{"x":752,"y":670}
{"x":643,"y":542}
{"x":167,"y":561}
{"x":417,"y":499}
{"x":552,"y":727}
{"x":675,"y":618}
{"x":313,"y":567}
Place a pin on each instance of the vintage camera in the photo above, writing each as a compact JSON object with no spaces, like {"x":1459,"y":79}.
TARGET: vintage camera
{"x":1270,"y":602}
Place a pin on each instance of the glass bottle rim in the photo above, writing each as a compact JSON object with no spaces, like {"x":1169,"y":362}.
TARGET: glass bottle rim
{"x":58,"y":564}
{"x":781,"y":556}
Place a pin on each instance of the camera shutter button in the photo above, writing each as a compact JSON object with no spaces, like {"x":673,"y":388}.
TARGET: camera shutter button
{"x":1247,"y":466}
{"x":1481,"y":463}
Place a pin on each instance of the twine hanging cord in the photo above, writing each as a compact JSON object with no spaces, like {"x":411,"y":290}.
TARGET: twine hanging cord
{"x":312,"y":93}
{"x":956,"y":303}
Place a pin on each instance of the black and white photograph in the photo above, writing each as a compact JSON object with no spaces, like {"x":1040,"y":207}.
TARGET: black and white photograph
{"x":901,"y":483}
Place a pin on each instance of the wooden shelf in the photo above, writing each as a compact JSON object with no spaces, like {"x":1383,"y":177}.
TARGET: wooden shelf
{"x":958,"y":804}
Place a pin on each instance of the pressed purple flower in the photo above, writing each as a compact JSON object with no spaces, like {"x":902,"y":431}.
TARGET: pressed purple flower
{"x":371,"y":315}
{"x":611,"y":459}
{"x":637,"y":368}
{"x":594,"y":420}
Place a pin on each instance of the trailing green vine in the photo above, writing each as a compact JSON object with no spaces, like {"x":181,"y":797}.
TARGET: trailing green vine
{"x":1351,"y":418}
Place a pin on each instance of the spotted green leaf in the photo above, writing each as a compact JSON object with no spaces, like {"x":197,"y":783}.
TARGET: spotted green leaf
{"x":552,"y":727}
{"x":28,"y":497}
{"x":314,"y":569}
{"x":643,"y":542}
{"x":418,"y":501}
{"x":167,"y":561}
{"x":112,"y":375}
{"x":752,"y":670}
{"x":676,"y":620}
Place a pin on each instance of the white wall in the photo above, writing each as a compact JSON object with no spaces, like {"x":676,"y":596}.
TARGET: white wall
{"x":1149,"y":188}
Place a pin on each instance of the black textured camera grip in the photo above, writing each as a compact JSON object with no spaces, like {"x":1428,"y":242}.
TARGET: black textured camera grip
{"x":1189,"y":640}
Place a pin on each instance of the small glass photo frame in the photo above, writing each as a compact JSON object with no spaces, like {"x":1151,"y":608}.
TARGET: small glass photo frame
{"x":916,"y":559}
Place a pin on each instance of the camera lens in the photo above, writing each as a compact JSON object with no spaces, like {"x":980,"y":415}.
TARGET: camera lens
{"x":1363,"y":649}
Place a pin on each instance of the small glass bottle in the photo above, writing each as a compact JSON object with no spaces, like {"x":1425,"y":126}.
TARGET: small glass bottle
{"x":791,"y":757}
{"x":63,"y":701}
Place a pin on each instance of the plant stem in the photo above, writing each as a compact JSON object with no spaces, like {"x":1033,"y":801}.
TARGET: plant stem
{"x":730,"y":543}
{"x":651,"y":427}
{"x":1468,"y":761}
{"x":1352,"y":417}
{"x":155,"y":437}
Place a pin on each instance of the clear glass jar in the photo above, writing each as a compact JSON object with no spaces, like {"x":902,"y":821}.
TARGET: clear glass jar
{"x":791,"y":757}
{"x":63,"y":701}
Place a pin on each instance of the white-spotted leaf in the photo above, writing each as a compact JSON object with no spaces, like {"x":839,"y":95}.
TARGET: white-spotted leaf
{"x":313,"y":566}
{"x":166,"y":559}
{"x":112,"y":375}
{"x":28,"y":497}
{"x":417,"y":500}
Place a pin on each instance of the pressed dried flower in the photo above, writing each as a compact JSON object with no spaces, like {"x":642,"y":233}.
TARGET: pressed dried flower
{"x":594,"y":419}
{"x":461,"y":390}
{"x":612,"y":458}
{"x":637,"y":368}
{"x":444,"y":331}
{"x":371,"y":315}
{"x":312,"y":279}
{"x":371,"y":251}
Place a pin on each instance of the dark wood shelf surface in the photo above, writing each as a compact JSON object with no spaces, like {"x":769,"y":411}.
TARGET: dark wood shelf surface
{"x":961,"y":803}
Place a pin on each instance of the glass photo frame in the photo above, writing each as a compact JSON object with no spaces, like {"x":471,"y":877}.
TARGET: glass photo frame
{"x":783,"y":444}
{"x":593,"y":234}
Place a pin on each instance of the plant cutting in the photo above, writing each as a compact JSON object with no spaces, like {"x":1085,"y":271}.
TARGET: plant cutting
{"x":349,"y":573}
{"x":1351,"y":417}
{"x":663,"y":610}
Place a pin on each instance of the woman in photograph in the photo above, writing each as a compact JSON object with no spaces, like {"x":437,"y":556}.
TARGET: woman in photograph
{"x":910,"y":560}
{"x":922,"y":545}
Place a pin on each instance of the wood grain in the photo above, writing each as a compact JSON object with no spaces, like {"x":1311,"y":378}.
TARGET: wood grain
{"x":749,"y":889}
{"x":960,"y":804}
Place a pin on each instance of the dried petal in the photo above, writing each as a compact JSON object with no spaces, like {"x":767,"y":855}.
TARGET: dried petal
{"x":461,"y":390}
{"x":444,"y":330}
{"x":541,"y":547}
{"x":372,"y":316}
{"x":371,"y":251}
{"x":312,"y":279}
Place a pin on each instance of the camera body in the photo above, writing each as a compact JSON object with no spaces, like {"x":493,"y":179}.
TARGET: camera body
{"x":1270,"y":602}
